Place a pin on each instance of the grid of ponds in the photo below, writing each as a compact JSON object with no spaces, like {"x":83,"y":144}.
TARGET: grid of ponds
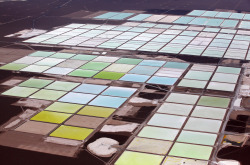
{"x":100,"y":67}
{"x":211,"y":77}
{"x":183,"y":122}
{"x":184,"y":129}
{"x":218,"y":78}
{"x":153,"y":37}
{"x":77,"y":109}
{"x":220,"y":14}
{"x":195,"y":17}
